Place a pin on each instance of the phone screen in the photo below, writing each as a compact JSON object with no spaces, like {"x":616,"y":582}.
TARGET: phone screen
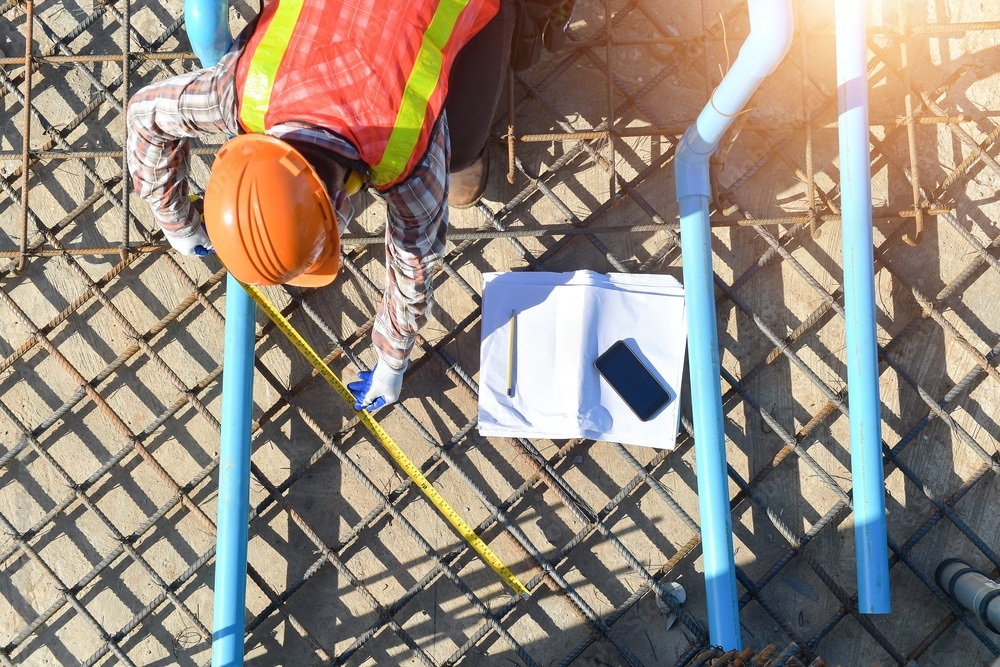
{"x":633,"y":381}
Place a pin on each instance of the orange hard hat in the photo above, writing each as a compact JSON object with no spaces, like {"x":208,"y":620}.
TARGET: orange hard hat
{"x":269,"y":216}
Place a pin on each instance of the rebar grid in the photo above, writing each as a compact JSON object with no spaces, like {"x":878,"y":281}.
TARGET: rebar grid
{"x":102,"y":317}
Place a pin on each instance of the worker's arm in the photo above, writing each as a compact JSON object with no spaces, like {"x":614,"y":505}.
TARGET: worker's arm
{"x":415,"y":240}
{"x":161,"y":119}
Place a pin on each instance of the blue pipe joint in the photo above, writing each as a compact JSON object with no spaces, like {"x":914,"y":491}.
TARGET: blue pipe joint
{"x":207,"y":25}
{"x":691,"y":166}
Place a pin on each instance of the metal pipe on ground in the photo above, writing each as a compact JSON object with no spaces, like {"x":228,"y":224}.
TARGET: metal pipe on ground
{"x":870,"y":538}
{"x":207,"y":23}
{"x":228,"y":617}
{"x":771,"y":27}
{"x":972,"y":589}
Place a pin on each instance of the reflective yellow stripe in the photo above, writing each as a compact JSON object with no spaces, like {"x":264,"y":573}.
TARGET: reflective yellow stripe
{"x":265,"y":62}
{"x":420,"y":86}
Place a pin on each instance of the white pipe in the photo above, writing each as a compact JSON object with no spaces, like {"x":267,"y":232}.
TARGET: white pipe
{"x":771,"y":28}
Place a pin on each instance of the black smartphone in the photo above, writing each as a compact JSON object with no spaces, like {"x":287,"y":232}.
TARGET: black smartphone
{"x":634,"y":382}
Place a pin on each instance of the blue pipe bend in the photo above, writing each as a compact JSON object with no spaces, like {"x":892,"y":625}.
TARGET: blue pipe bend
{"x":770,"y":36}
{"x":207,"y":25}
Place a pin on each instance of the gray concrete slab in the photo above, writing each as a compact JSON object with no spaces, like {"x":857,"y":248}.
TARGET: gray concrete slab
{"x":109,"y":444}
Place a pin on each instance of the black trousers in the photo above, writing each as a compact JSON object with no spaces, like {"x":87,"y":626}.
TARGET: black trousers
{"x":476,"y":82}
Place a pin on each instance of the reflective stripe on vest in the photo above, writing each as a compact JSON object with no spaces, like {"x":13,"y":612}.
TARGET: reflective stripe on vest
{"x":420,"y":85}
{"x":266,"y":60}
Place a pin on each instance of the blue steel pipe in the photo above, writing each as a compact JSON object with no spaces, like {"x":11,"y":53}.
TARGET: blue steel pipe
{"x":771,"y":27}
{"x":208,"y":31}
{"x":710,"y":444}
{"x":234,"y":480}
{"x":870,"y":539}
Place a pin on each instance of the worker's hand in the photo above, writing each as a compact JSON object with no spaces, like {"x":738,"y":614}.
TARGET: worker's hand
{"x":377,"y":387}
{"x":196,"y":243}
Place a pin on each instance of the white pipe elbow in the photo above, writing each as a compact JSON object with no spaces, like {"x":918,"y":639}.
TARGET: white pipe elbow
{"x":771,"y":29}
{"x":772,"y":26}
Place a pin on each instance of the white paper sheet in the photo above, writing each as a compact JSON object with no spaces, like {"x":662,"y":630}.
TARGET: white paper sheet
{"x":564,"y":321}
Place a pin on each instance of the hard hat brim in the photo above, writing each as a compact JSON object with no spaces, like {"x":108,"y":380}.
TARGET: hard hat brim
{"x":321,"y":276}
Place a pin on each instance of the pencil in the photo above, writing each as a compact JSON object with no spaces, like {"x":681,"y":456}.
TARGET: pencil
{"x":510,"y":355}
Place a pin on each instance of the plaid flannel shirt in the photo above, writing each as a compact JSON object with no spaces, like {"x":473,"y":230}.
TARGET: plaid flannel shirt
{"x":163,"y":116}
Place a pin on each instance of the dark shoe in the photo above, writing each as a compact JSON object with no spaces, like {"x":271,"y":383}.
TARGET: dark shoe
{"x":467,"y":186}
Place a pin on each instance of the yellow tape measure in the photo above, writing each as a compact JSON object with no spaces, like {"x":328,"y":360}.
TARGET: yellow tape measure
{"x":390,"y":446}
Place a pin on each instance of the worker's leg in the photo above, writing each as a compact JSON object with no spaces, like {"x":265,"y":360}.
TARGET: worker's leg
{"x":476,"y":83}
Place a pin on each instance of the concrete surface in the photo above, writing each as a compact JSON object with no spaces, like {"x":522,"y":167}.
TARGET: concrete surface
{"x":107,"y":498}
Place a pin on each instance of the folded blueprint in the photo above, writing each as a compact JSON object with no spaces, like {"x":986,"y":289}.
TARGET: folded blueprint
{"x":562,"y":322}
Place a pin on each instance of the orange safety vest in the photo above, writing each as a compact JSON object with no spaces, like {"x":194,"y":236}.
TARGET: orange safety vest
{"x":373,"y":71}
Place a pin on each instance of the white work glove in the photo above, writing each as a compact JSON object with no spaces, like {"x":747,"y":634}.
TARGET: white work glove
{"x":188,"y":245}
{"x":377,"y":387}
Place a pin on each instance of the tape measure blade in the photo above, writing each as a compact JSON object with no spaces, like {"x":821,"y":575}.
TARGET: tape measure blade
{"x":464,"y":530}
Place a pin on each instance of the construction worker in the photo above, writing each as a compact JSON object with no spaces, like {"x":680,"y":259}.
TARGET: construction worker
{"x":327,"y":96}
